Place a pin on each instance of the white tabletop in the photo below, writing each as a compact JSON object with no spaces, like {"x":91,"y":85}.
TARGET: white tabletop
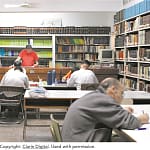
{"x":136,"y":95}
{"x":61,"y":94}
{"x":137,"y":134}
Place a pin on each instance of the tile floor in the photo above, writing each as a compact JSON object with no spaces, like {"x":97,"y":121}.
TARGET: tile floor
{"x":14,"y":132}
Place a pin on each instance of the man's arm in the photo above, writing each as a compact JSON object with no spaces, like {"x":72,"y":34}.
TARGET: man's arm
{"x":36,"y":64}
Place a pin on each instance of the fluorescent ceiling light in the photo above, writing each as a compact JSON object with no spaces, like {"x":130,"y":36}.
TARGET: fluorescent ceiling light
{"x":11,"y":5}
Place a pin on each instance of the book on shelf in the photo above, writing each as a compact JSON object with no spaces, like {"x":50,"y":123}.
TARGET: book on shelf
{"x":130,"y":84}
{"x":142,"y":86}
{"x":132,"y":54}
{"x":132,"y":25}
{"x":144,"y":71}
{"x":120,"y":67}
{"x":120,"y":54}
{"x":144,"y":21}
{"x":55,"y":30}
{"x":144,"y":54}
{"x":148,"y":87}
{"x":120,"y":41}
{"x":131,"y":39}
{"x":147,"y":36}
{"x":132,"y":69}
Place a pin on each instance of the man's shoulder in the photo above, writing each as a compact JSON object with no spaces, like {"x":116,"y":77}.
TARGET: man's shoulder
{"x":23,"y":51}
{"x":89,"y":71}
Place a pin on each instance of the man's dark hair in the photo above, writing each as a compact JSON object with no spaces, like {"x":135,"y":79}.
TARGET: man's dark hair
{"x":17,"y":65}
{"x":86,"y":62}
{"x":28,"y":46}
{"x":108,"y":82}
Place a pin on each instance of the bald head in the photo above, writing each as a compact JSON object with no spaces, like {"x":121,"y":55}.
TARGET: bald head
{"x":113,"y":88}
{"x":108,"y":82}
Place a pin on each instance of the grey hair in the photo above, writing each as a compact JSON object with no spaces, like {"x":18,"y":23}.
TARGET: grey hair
{"x":109,"y":82}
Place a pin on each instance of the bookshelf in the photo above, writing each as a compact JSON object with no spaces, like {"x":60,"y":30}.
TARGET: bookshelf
{"x":12,"y":44}
{"x":132,"y":49}
{"x":72,"y":49}
{"x":55,"y":46}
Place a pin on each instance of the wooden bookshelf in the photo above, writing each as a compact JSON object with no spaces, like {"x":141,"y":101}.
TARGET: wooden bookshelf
{"x":12,"y":44}
{"x":72,"y":49}
{"x":132,"y":48}
{"x":55,"y":46}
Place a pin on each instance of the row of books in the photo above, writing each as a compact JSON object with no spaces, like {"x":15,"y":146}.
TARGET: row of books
{"x":120,"y":54}
{"x":44,"y":54}
{"x":145,"y":20}
{"x":138,"y":23}
{"x":120,"y":41}
{"x":134,"y":10}
{"x":130,"y":83}
{"x":42,"y":42}
{"x":119,"y":16}
{"x":12,"y":42}
{"x":45,"y":62}
{"x":143,"y":86}
{"x":76,"y":49}
{"x":120,"y":66}
{"x":119,"y":28}
{"x":132,"y":54}
{"x":11,"y":52}
{"x":144,"y":71}
{"x":92,"y":57}
{"x":60,"y":64}
{"x":133,"y":25}
{"x":8,"y":52}
{"x":131,"y":39}
{"x":144,"y":37}
{"x":139,"y":8}
{"x":83,"y":40}
{"x":144,"y":54}
{"x":56,"y":30}
{"x":23,"y":42}
{"x":132,"y":69}
{"x":7,"y":62}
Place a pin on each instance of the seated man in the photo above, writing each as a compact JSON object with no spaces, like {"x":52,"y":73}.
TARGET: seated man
{"x":15,"y":76}
{"x":92,"y":117}
{"x":83,"y":75}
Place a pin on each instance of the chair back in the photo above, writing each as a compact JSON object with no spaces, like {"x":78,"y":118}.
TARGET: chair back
{"x":55,"y":129}
{"x":10,"y":94}
{"x":89,"y":86}
{"x":11,"y":102}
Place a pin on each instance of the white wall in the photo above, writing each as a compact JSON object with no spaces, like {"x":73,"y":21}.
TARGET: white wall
{"x":52,"y":19}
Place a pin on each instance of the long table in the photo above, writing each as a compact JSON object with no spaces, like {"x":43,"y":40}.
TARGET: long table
{"x":57,"y":99}
{"x":138,"y":135}
{"x":138,"y":97}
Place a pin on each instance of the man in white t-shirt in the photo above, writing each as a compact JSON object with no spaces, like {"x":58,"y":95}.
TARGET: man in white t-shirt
{"x":84,"y":75}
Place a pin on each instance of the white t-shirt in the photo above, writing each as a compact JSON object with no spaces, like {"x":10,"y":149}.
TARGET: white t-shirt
{"x":82,"y":76}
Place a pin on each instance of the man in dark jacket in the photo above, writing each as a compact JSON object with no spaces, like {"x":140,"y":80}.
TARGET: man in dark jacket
{"x":92,"y":117}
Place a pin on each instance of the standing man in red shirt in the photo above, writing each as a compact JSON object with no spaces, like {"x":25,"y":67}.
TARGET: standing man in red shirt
{"x":28,"y":57}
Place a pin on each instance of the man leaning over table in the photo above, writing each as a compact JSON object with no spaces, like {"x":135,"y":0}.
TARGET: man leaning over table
{"x":92,"y":117}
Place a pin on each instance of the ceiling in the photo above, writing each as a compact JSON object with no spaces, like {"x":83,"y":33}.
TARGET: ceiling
{"x":60,"y":5}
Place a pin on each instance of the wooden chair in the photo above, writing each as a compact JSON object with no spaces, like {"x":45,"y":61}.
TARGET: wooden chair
{"x":11,"y":102}
{"x":55,"y":129}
